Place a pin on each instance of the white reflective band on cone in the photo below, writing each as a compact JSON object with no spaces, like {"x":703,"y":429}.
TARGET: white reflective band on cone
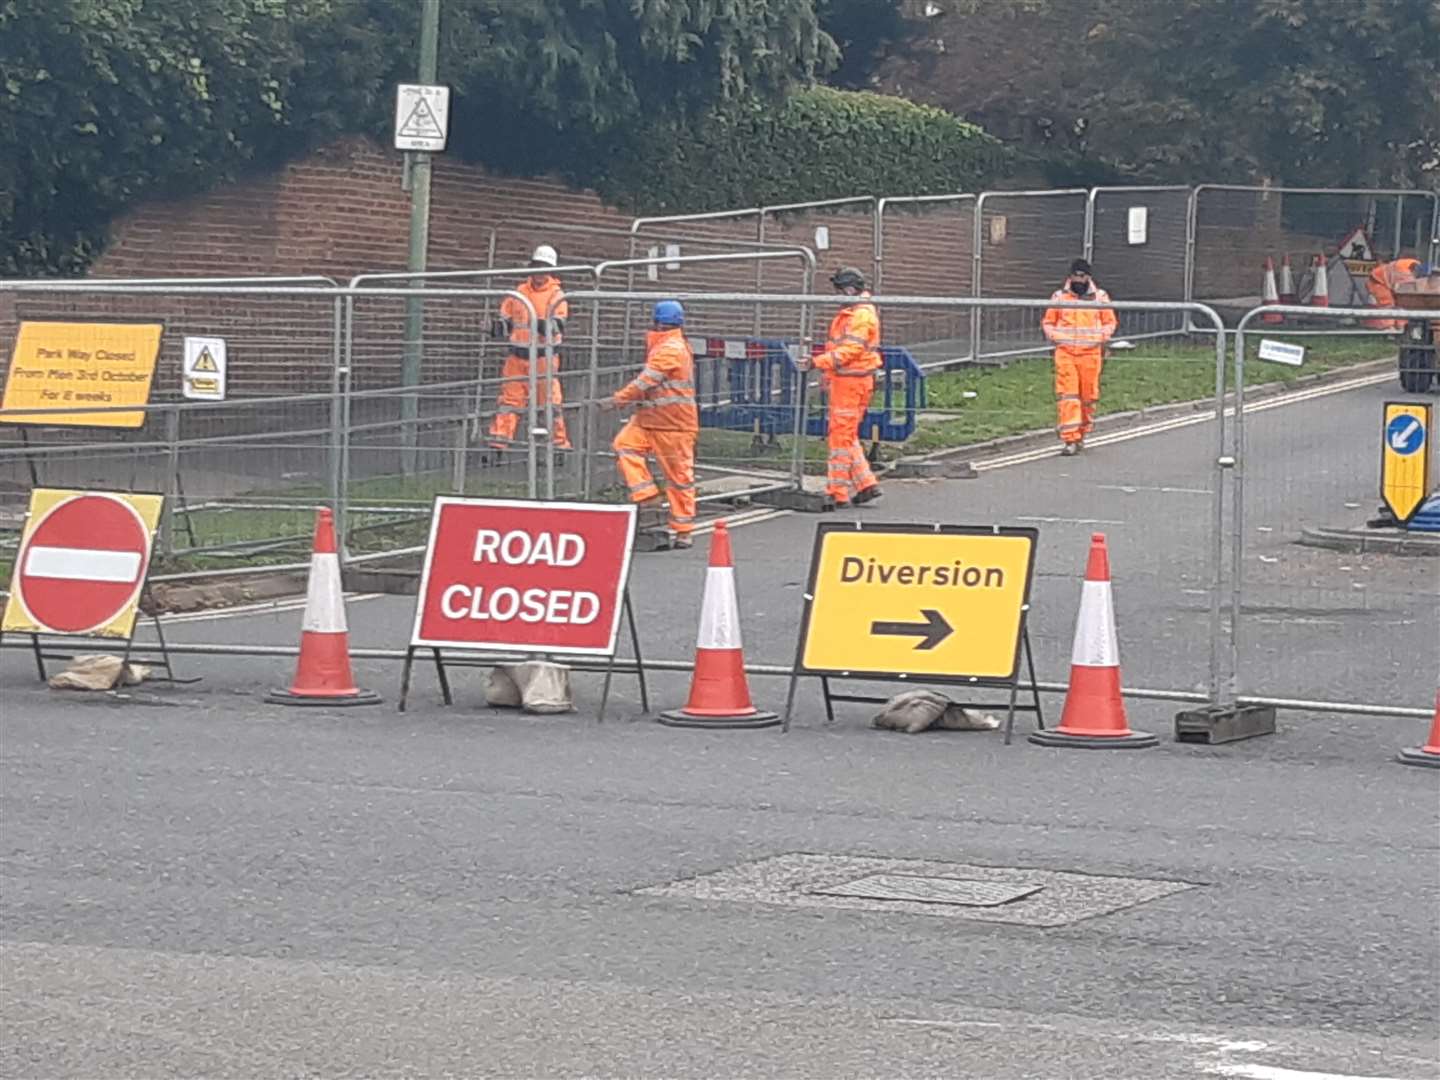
{"x":324,"y":598}
{"x":719,"y":614}
{"x":1095,"y":641}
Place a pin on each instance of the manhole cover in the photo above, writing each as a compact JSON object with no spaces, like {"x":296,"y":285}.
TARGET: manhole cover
{"x":932,"y":890}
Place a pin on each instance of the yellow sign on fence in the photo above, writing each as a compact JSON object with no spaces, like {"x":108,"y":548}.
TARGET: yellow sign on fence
{"x":91,"y":365}
{"x":1405,"y":452}
{"x":944,"y":603}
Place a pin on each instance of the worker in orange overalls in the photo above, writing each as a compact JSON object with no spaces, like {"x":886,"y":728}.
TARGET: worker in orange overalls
{"x":1382,"y":282}
{"x":1079,"y":336}
{"x":849,"y":362}
{"x":666,"y":424}
{"x":545,"y":294}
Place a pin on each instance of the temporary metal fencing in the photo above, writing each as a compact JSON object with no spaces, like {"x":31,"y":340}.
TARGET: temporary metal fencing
{"x":1302,"y":591}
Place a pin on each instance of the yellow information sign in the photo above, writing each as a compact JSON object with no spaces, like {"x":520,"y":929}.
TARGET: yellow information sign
{"x":92,"y":365}
{"x":1405,"y":455}
{"x":938,"y":603}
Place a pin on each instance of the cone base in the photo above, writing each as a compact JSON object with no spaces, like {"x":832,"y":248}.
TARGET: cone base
{"x":1131,"y":740}
{"x":290,"y":697}
{"x":755,"y":718}
{"x":1418,"y":756}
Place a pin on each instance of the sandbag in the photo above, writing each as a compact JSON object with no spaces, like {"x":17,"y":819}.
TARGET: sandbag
{"x":915,"y":711}
{"x":535,"y":686}
{"x":500,"y":689}
{"x":97,"y":671}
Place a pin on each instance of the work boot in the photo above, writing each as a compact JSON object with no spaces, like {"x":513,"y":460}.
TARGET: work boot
{"x":683,"y":541}
{"x":870,"y":494}
{"x":653,"y":513}
{"x":1070,"y":449}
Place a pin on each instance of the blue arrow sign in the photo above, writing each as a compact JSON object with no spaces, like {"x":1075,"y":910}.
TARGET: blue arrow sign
{"x":1405,"y":434}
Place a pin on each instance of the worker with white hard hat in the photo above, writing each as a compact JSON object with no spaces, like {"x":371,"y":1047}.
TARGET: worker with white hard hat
{"x":542,"y":288}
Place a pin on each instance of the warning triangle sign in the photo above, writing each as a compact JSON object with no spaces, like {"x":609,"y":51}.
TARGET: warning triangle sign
{"x":205,"y":362}
{"x":421,"y":123}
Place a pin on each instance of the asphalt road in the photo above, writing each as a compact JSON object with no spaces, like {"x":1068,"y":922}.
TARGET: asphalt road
{"x":198,"y":884}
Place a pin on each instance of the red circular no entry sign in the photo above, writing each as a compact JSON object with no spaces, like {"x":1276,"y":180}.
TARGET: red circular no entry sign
{"x":83,"y":564}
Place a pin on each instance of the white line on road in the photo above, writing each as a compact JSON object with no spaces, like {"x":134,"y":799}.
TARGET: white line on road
{"x":1071,"y":521}
{"x":1272,"y":1072}
{"x":272,"y":607}
{"x":1131,"y":489}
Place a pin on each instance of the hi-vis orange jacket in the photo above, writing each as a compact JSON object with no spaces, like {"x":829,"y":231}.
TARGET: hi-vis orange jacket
{"x":1080,"y":329}
{"x":1388,"y":275}
{"x":853,"y":347}
{"x":542,"y":298}
{"x":664,"y":393}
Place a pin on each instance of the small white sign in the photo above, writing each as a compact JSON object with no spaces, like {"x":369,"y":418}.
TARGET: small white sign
{"x":672,"y":251}
{"x":652,"y":269}
{"x":203,"y":376}
{"x":1137,"y":225}
{"x":1282,"y":352}
{"x":422,"y":117}
{"x":999,"y":228}
{"x":822,"y":237}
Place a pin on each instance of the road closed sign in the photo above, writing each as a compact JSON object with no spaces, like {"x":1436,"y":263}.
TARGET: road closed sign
{"x":507,"y":575}
{"x":939,"y":603}
{"x":82,"y":563}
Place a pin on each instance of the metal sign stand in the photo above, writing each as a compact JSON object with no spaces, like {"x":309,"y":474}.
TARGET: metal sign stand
{"x":444,"y":660}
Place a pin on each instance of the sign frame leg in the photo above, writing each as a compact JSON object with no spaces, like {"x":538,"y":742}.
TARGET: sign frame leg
{"x":629,"y":612}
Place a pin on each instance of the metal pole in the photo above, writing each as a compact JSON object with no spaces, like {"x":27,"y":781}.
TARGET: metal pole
{"x":976,"y":268}
{"x":1399,"y":223}
{"x":419,"y":243}
{"x":172,"y":473}
{"x":1089,"y":242}
{"x":336,"y":424}
{"x":1192,"y":216}
{"x":1223,"y":464}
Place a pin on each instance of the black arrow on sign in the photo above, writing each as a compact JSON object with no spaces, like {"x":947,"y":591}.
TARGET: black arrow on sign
{"x":934,"y":629}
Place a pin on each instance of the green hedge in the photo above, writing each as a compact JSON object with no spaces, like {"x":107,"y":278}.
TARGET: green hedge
{"x":821,"y":144}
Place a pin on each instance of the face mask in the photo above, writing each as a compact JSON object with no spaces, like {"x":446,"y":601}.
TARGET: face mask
{"x":1079,"y":288}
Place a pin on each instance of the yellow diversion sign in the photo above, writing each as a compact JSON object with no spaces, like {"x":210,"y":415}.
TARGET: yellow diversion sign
{"x":1405,"y":454}
{"x":943,"y":603}
{"x":104,"y":366}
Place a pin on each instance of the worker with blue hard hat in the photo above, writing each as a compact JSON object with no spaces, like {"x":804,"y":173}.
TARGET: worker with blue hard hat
{"x":666,"y":424}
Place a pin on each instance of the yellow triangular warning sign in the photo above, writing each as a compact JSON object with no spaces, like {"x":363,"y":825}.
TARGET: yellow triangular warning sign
{"x":205,"y":362}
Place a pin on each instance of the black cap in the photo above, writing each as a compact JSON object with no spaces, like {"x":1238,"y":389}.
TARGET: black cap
{"x":1080,"y":266}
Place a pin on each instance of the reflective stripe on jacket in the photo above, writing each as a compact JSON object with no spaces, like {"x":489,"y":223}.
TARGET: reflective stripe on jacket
{"x":550,"y":293}
{"x":853,"y":345}
{"x":664,"y":393}
{"x":1080,"y":328}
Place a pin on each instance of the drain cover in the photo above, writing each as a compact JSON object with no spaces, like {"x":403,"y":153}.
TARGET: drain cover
{"x":932,"y":890}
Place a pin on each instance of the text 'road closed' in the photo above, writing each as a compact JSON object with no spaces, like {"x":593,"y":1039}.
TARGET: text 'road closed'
{"x":907,"y":601}
{"x":538,"y":577}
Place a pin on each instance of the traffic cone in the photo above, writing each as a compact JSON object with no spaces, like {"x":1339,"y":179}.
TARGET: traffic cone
{"x":719,"y":692}
{"x":1429,"y":754}
{"x":1320,"y":294}
{"x":1288,"y":295}
{"x":322,"y":675}
{"x":1269,"y":294}
{"x":1094,"y":715}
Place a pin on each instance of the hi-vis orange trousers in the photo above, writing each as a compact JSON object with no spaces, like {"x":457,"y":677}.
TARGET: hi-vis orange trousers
{"x":848,"y":473}
{"x":1077,"y":391}
{"x":515,"y":400}
{"x":675,"y":451}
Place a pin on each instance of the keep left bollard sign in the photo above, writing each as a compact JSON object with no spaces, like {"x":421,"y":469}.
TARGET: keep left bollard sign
{"x":515,"y":576}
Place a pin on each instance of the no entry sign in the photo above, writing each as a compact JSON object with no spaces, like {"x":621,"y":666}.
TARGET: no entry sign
{"x":82,"y":563}
{"x":517,"y":576}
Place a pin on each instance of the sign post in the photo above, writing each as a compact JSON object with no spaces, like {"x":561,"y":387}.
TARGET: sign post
{"x":939,"y":604}
{"x":510,"y":576}
{"x":1405,"y":457}
{"x":82,"y":567}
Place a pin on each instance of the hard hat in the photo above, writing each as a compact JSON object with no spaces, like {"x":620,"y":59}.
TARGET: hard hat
{"x":669,"y":313}
{"x":545,"y":256}
{"x":1426,"y":269}
{"x":848,"y":277}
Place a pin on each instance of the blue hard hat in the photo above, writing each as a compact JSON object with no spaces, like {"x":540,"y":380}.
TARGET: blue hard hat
{"x":669,"y":313}
{"x":1426,"y":269}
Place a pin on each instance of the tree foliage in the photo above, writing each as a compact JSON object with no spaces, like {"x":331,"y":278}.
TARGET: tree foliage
{"x":103,"y":102}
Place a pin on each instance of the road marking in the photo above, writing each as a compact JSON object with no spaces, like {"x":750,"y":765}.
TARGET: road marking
{"x":1131,"y":489}
{"x":1272,"y":1072}
{"x":1071,"y":521}
{"x":1161,"y":426}
{"x":271,"y":607}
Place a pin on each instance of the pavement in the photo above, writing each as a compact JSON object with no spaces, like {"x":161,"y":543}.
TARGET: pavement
{"x":198,"y":884}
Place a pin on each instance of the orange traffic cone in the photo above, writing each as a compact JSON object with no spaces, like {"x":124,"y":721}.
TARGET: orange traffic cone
{"x":1288,"y":295}
{"x":322,"y":676}
{"x":1094,"y":715}
{"x":1320,"y":294}
{"x":1429,"y":754}
{"x":1269,"y":294}
{"x":719,"y":692}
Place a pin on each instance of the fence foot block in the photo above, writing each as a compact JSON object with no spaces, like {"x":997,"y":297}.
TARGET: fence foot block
{"x":1224,"y":723}
{"x":806,"y":502}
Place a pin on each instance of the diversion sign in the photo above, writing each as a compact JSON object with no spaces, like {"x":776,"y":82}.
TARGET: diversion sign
{"x":99,"y":366}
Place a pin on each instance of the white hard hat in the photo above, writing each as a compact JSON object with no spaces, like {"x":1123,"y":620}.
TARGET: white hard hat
{"x":544,"y":256}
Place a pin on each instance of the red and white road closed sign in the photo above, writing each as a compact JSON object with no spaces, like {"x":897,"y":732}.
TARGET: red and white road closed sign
{"x":82,"y":563}
{"x":519,"y":576}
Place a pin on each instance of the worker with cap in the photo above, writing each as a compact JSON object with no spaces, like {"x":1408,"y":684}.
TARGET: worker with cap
{"x":666,"y":424}
{"x":1382,"y":282}
{"x":849,"y":361}
{"x":546,"y":296}
{"x":1079,"y":335}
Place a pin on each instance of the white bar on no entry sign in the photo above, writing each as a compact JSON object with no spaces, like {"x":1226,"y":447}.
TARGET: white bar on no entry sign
{"x":82,"y":564}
